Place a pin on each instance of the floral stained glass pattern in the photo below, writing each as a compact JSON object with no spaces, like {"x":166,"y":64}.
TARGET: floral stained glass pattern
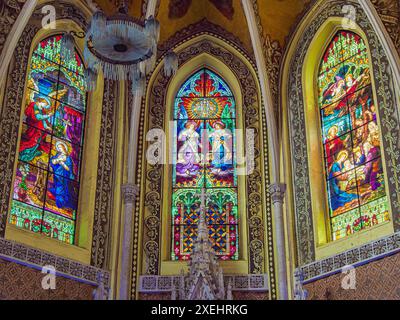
{"x":46,"y":185}
{"x":205,"y":157}
{"x":350,"y":133}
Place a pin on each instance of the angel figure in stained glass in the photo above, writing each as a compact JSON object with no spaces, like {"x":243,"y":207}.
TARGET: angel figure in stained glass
{"x":39,"y":113}
{"x":189,"y":159}
{"x":335,"y":91}
{"x":221,"y":140}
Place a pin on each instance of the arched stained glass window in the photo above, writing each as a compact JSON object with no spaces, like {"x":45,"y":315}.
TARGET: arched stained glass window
{"x":46,"y":185}
{"x":353,"y":164}
{"x":204,"y":153}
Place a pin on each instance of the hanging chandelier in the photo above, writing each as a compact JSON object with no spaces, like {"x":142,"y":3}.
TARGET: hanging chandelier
{"x":122,"y":47}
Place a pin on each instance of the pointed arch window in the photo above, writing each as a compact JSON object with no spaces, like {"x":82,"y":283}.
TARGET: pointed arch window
{"x":355,"y":179}
{"x":47,"y":179}
{"x":205,"y":112}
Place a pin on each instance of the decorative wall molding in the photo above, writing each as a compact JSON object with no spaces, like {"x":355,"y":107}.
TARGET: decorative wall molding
{"x":103,"y":211}
{"x":377,"y":280}
{"x":154,"y":284}
{"x":355,"y":257}
{"x":273,"y":54}
{"x":204,"y":26}
{"x":388,"y":120}
{"x":37,"y":259}
{"x":9,"y":11}
{"x":9,"y":120}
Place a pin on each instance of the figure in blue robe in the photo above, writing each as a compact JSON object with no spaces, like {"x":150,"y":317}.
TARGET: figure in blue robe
{"x":63,"y":190}
{"x":338,"y":197}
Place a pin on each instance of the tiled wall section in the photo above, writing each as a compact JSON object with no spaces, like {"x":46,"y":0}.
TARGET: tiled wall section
{"x":374,"y":281}
{"x":18,"y":282}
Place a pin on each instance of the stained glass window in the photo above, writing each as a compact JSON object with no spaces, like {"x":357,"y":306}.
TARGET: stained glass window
{"x":350,"y":132}
{"x":205,"y":158}
{"x":46,"y":186}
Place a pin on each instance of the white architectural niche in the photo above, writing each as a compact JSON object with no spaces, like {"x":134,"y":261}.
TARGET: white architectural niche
{"x":205,"y":279}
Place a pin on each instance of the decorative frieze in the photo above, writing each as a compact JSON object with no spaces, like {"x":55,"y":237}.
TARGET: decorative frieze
{"x":37,"y":259}
{"x":149,"y":284}
{"x":356,"y":256}
{"x":105,"y":177}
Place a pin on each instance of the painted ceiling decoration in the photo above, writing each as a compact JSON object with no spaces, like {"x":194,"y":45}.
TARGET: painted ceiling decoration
{"x":179,"y":8}
{"x":277,"y":17}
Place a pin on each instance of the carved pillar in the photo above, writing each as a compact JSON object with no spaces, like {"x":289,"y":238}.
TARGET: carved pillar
{"x":129,"y":194}
{"x":277,"y":191}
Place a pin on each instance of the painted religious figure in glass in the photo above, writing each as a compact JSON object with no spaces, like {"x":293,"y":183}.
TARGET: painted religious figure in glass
{"x":46,"y":185}
{"x":352,"y":148}
{"x":204,"y":158}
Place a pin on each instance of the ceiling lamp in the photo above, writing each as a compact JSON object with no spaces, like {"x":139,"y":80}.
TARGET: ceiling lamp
{"x":121,"y":46}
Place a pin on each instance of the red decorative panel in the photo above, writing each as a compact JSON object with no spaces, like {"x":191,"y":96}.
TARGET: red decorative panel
{"x":18,"y":282}
{"x":378,"y":280}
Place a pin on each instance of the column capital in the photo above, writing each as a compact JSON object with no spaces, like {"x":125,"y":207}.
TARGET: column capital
{"x":277,"y":191}
{"x":130,"y":192}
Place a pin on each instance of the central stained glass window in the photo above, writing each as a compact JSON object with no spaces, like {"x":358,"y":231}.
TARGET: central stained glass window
{"x":46,"y":184}
{"x":353,"y":163}
{"x":205,"y":158}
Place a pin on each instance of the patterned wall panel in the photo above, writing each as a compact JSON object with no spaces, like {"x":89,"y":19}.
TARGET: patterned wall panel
{"x":378,"y":280}
{"x":18,"y":282}
{"x":389,"y":12}
{"x":105,"y":178}
{"x":9,"y":11}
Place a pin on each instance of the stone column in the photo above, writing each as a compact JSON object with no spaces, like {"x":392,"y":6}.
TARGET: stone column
{"x":277,"y":191}
{"x":129,"y":194}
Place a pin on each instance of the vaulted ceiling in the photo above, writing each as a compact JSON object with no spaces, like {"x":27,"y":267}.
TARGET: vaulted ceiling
{"x":277,"y":17}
